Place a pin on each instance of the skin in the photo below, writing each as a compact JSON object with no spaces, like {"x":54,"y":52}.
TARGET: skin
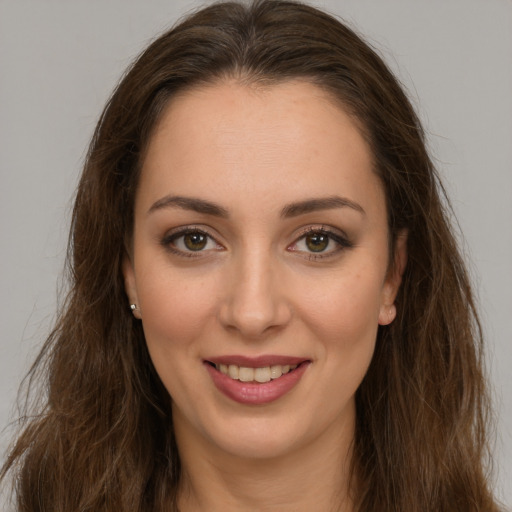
{"x":257,"y":287}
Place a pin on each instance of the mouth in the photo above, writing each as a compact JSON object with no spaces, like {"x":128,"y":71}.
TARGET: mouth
{"x":256,"y":381}
{"x":260,"y":374}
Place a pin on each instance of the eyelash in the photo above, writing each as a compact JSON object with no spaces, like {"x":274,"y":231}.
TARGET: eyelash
{"x":341,"y":241}
{"x":168,"y":242}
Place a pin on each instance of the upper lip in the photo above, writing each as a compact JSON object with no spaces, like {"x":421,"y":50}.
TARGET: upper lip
{"x":256,"y":362}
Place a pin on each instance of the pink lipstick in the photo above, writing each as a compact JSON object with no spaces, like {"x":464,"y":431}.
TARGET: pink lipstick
{"x":256,"y":380}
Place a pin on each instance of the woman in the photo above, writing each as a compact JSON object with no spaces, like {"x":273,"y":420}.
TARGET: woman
{"x":268,"y":309}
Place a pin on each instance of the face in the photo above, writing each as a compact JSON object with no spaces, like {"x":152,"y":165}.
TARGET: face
{"x":260,"y":265}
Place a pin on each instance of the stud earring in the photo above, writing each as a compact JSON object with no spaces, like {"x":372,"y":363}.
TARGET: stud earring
{"x":135,"y":311}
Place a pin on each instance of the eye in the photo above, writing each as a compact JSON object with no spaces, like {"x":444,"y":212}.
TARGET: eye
{"x":188,"y":241}
{"x":194,"y":241}
{"x":319,"y":243}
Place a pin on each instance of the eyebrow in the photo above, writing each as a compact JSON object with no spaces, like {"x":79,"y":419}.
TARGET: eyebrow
{"x":317,"y":204}
{"x":291,"y":210}
{"x":190,"y":203}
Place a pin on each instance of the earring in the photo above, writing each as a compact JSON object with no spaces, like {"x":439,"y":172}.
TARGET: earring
{"x":135,"y":311}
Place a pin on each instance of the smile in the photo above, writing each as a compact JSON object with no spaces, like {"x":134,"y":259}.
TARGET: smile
{"x":263,"y":374}
{"x":256,"y":381}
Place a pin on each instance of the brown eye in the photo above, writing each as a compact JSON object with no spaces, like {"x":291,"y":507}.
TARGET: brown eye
{"x":317,"y":242}
{"x":195,"y":241}
{"x":190,"y":242}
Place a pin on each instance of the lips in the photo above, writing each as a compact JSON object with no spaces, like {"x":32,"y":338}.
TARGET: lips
{"x":258,"y":361}
{"x":258,"y":380}
{"x":262,"y":374}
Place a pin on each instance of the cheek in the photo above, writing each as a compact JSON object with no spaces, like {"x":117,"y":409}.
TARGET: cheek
{"x":175,"y":310}
{"x":342,"y":313}
{"x":348,"y":325}
{"x":346,"y":307}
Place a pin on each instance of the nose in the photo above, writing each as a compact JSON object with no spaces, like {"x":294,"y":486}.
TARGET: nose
{"x":255,"y":301}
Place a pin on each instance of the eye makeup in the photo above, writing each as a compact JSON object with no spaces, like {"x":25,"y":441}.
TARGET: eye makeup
{"x":320,"y":242}
{"x":313,"y":243}
{"x":190,"y":242}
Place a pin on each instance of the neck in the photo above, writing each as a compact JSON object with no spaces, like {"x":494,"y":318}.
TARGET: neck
{"x":313,"y":477}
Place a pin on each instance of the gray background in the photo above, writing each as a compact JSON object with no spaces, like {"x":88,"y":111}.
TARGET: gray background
{"x":59,"y":60}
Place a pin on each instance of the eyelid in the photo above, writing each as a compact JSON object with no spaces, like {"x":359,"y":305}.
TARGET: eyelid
{"x":180,"y":231}
{"x":336,"y":235}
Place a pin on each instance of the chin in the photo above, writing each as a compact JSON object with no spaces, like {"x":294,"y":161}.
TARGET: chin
{"x":261,"y":441}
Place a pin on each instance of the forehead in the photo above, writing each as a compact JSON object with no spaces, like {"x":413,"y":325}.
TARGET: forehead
{"x":273,"y":142}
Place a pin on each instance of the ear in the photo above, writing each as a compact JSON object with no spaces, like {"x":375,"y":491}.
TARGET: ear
{"x":130,"y":285}
{"x":391,"y":286}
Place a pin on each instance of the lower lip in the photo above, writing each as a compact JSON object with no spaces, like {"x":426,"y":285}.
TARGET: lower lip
{"x":255,"y":393}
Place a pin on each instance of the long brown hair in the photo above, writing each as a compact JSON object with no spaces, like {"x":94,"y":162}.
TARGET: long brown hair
{"x":104,"y":441}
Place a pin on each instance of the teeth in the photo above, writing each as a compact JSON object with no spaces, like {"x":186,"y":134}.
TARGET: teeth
{"x":233,"y":371}
{"x":264,"y":374}
{"x":246,"y":374}
{"x":276,"y":371}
